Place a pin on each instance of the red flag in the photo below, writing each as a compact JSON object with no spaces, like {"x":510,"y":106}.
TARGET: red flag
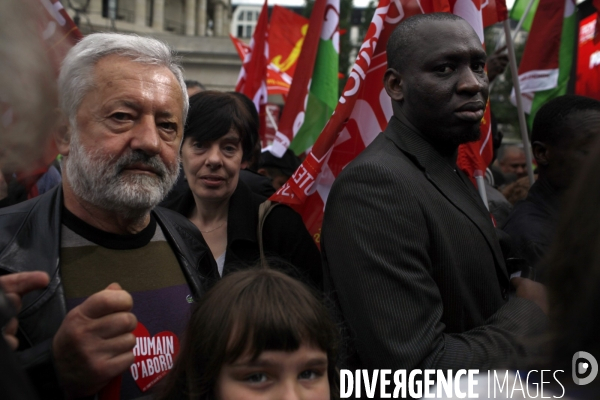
{"x":596,"y":4}
{"x":296,"y":101}
{"x":286,"y":35}
{"x":287,"y":31}
{"x":363,"y":111}
{"x":494,"y":11}
{"x":252,"y":79}
{"x":242,"y":48}
{"x":477,"y":156}
{"x":588,"y":59}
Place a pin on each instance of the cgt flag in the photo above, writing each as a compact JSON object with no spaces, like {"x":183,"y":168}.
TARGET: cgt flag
{"x":252,"y":78}
{"x":287,"y":31}
{"x":286,"y":35}
{"x":362,"y":112}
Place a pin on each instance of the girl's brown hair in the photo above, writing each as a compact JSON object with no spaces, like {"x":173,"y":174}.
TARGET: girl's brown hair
{"x":253,"y":310}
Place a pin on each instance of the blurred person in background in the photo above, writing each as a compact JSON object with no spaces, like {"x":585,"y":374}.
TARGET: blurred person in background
{"x":28,"y":101}
{"x":563,"y":132}
{"x":193,"y":87}
{"x":574,"y":276}
{"x":257,"y":334}
{"x":512,"y":162}
{"x":217,"y":145}
{"x":518,"y":190}
{"x":277,"y":169}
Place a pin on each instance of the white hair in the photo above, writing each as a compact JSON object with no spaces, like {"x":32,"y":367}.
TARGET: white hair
{"x":76,"y":74}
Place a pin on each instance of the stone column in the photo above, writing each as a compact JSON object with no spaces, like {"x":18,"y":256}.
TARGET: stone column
{"x":201,"y":17}
{"x":158,"y":19}
{"x":190,"y":17}
{"x":140,"y":12}
{"x":218,"y":18}
{"x":95,"y":7}
{"x":227,"y":18}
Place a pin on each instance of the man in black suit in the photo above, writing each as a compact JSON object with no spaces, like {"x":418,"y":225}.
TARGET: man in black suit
{"x":411,"y":255}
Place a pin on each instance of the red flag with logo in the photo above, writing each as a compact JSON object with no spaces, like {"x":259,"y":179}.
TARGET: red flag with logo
{"x":253,"y":75}
{"x":287,"y":31}
{"x":363,"y":111}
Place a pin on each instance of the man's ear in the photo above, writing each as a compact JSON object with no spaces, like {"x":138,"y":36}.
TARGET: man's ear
{"x":62,"y":134}
{"x":541,"y":153}
{"x":392,"y":81}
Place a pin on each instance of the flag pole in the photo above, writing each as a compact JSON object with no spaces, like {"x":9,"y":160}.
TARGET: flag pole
{"x":522,"y":20}
{"x":515,"y":77}
{"x":519,"y":24}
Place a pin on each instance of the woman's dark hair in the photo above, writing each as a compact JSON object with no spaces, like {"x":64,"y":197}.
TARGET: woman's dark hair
{"x":253,"y":310}
{"x":574,"y":269}
{"x":212,"y":114}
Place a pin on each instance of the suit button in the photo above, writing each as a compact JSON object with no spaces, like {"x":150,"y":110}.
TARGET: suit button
{"x":504,"y":293}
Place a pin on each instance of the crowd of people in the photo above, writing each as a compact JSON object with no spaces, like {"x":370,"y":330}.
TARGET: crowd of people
{"x":157,"y":267}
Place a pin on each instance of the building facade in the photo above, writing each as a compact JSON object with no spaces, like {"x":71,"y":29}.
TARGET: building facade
{"x":197,"y":29}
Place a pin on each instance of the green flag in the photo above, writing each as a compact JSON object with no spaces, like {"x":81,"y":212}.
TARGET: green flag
{"x":548,"y":57}
{"x":322,"y":96}
{"x":518,"y":10}
{"x":565,"y":62}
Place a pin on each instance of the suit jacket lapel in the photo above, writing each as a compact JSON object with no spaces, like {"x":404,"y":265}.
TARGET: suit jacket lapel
{"x":449,"y":183}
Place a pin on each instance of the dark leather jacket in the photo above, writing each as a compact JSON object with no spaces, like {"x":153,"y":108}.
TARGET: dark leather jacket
{"x":30,"y":235}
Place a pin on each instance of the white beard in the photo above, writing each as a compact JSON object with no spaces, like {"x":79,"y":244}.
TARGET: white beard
{"x":99,"y":179}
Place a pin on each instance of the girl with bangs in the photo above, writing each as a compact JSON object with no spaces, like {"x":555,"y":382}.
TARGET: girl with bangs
{"x":257,"y":334}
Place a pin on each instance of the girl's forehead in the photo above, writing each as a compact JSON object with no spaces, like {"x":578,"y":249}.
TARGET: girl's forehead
{"x":305,"y":352}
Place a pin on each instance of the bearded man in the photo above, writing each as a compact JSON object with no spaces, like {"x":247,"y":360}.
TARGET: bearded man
{"x":122,"y":272}
{"x":411,"y":255}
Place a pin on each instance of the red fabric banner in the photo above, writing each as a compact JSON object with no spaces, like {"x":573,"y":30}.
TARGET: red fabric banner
{"x":296,"y":100}
{"x":287,"y":31}
{"x":286,"y":35}
{"x":363,"y":111}
{"x":541,"y":50}
{"x":588,"y":59}
{"x":494,"y":11}
{"x":252,"y":79}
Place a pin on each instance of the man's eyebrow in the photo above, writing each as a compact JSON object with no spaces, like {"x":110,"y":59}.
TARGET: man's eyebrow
{"x":126,"y":103}
{"x":164,"y":114}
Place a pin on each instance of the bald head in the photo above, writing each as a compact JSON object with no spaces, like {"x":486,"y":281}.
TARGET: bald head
{"x":405,"y":37}
{"x":436,"y":79}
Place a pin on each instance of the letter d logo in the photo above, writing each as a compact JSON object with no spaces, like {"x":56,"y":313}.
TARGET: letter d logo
{"x":580,"y":368}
